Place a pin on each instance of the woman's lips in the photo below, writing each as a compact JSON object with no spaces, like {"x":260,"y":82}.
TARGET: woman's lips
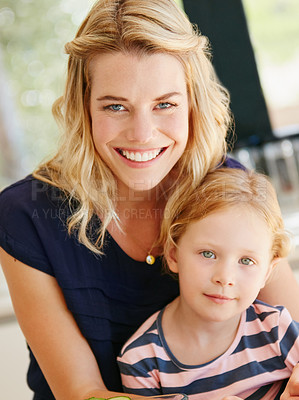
{"x":140,"y":157}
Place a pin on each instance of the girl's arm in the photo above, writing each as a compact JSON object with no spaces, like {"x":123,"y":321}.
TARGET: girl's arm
{"x":62,"y":352}
{"x":282,"y":289}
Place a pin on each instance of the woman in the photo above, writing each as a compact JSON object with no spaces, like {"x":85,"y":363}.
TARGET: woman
{"x":141,"y":114}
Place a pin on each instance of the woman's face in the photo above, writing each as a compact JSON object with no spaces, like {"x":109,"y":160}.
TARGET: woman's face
{"x":139,"y":113}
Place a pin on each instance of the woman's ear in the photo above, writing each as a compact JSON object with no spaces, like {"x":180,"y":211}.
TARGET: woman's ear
{"x":171,"y":258}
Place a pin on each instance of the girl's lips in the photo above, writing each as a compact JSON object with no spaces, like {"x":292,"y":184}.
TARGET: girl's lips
{"x":219,"y":299}
{"x":140,"y":156}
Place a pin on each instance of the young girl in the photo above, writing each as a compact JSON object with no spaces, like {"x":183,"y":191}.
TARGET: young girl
{"x":215,"y":339}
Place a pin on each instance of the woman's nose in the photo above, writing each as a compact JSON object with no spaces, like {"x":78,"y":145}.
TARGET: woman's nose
{"x":141,"y":128}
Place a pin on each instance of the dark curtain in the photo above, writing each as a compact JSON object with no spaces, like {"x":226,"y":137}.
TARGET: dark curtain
{"x":224,"y":23}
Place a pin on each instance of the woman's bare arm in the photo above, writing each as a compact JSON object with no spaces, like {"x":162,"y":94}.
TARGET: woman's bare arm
{"x":282,"y":289}
{"x":52,"y":333}
{"x":291,"y":391}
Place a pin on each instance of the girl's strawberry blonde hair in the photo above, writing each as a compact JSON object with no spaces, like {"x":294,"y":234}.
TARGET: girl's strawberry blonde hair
{"x":221,"y":189}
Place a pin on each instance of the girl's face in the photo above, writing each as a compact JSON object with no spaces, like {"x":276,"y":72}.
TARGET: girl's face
{"x":139,"y":113}
{"x":222,"y":262}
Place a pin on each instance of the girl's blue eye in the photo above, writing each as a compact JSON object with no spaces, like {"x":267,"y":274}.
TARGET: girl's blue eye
{"x":246,"y":261}
{"x":208,"y":254}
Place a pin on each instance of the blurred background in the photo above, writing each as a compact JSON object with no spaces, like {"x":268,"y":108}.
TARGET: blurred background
{"x":32,"y":72}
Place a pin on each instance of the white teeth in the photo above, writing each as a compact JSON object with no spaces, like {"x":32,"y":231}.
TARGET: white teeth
{"x":138,"y":157}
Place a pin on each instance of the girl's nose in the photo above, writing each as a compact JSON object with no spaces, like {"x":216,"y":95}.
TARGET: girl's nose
{"x":224,"y":275}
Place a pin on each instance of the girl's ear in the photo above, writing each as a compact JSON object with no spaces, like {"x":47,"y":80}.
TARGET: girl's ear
{"x":171,"y":258}
{"x":272,"y":265}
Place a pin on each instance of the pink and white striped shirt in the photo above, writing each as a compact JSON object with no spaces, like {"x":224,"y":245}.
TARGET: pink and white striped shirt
{"x":262,"y":355}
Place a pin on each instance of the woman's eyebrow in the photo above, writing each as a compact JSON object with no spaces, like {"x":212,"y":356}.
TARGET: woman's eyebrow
{"x":167,"y":95}
{"x":113,"y":98}
{"x":117,"y":98}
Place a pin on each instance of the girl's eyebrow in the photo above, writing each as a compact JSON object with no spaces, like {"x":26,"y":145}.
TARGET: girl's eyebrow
{"x":117,"y":98}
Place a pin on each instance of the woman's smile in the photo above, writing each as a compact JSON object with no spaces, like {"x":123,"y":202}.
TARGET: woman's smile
{"x":140,"y":156}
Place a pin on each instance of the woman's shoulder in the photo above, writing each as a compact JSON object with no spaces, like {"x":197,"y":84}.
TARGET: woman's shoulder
{"x":30,"y":197}
{"x":32,"y":215}
{"x":230,"y":162}
{"x":21,"y":219}
{"x":30,"y":190}
{"x":32,"y":203}
{"x":16,"y":188}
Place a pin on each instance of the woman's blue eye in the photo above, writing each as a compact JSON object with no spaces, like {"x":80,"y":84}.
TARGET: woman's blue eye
{"x":208,"y":254}
{"x":246,"y":261}
{"x":115,"y":107}
{"x":164,"y":105}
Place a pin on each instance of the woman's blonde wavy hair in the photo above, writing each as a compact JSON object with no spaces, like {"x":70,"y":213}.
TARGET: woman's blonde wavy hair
{"x":221,"y":189}
{"x":145,"y":27}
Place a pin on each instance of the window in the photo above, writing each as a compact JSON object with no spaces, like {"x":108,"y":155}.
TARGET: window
{"x":274,"y":31}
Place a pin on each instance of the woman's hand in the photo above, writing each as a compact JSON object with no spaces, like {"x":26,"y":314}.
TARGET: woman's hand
{"x":291,"y":391}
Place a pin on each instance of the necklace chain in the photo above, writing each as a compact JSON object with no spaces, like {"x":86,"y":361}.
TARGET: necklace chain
{"x":149,"y":259}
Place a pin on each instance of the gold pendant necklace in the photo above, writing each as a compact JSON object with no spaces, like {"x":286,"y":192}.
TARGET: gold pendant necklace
{"x":150,"y":259}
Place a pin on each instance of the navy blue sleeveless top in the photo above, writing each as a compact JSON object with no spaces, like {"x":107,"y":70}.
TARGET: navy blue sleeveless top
{"x":109,"y":296}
